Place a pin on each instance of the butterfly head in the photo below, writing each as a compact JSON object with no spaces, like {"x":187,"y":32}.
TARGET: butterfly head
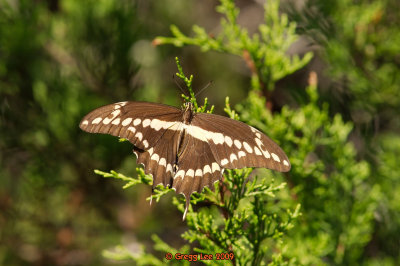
{"x":188,"y":112}
{"x":188,"y":106}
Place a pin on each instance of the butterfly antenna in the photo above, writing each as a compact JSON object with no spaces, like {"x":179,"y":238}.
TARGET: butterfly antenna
{"x":205,"y":87}
{"x":177,"y":84}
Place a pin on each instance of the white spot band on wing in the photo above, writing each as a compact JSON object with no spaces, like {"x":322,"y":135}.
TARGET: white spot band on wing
{"x":275,"y":157}
{"x":247,"y":147}
{"x":224,"y":161}
{"x":119,"y":105}
{"x":238,"y":144}
{"x":259,"y":142}
{"x":169,"y":168}
{"x":233,"y":157}
{"x":145,"y":143}
{"x":162,"y":162}
{"x":228,"y":141}
{"x":207,"y":169}
{"x":97,"y":120}
{"x":146,"y":122}
{"x":205,"y":135}
{"x":180,"y":173}
{"x":257,"y":151}
{"x":139,"y":135}
{"x":266,"y":154}
{"x":126,"y":121}
{"x":114,"y":114}
{"x":155,"y":157}
{"x":116,"y":121}
{"x":199,"y":172}
{"x":157,"y":124}
{"x":190,"y":172}
{"x":215,"y":167}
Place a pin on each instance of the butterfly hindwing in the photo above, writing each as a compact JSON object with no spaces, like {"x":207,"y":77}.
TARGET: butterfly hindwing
{"x":197,"y":167}
{"x":160,"y":159}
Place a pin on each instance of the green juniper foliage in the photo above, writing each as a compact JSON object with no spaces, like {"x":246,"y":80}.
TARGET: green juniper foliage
{"x":337,"y":202}
{"x":266,"y":50}
{"x":359,"y":44}
{"x":254,"y":218}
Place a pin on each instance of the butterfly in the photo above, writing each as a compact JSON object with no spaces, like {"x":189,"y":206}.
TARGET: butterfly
{"x":182,"y":149}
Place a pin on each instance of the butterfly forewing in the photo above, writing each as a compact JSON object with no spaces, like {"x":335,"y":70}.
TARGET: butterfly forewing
{"x":238,"y":145}
{"x":142,"y":123}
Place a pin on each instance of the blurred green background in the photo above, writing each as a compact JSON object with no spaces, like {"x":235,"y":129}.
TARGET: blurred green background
{"x":59,"y":59}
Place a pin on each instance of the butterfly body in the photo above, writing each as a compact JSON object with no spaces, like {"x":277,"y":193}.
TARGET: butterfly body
{"x":183,"y":149}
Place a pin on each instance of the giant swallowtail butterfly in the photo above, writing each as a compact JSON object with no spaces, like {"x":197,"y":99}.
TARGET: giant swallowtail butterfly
{"x":183,"y":149}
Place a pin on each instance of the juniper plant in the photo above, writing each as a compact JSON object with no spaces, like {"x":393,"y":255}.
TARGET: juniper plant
{"x":252,"y":212}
